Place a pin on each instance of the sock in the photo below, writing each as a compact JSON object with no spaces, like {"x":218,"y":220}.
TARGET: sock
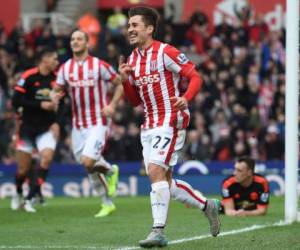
{"x":32,"y":191}
{"x":98,"y":183}
{"x":41,"y":179}
{"x":42,"y":175}
{"x":183,"y":192}
{"x":104,"y":164}
{"x":160,"y":198}
{"x":19,"y":180}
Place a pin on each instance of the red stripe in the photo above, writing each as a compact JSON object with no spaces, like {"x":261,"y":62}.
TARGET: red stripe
{"x":73,"y":99}
{"x":186,"y":119}
{"x":20,"y":89}
{"x":148,"y":106}
{"x":81,"y":96}
{"x":29,"y":72}
{"x":172,"y":146}
{"x":103,"y":118}
{"x":92,"y":94}
{"x":190,"y":192}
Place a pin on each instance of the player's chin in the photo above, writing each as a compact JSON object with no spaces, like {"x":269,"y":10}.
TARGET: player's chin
{"x":133,"y":41}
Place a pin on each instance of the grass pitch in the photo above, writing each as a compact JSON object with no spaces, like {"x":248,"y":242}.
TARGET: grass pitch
{"x":66,"y":223}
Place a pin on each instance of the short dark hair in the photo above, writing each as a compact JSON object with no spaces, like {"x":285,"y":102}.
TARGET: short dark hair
{"x":249,"y":162}
{"x":150,"y":16}
{"x":45,"y":51}
{"x":86,"y":35}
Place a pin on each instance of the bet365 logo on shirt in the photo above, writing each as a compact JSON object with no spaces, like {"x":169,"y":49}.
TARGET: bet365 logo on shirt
{"x":144,"y":80}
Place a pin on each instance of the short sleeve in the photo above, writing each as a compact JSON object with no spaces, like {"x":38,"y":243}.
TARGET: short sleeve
{"x":107,"y":71}
{"x":265,"y":194}
{"x":20,"y":86}
{"x":227,"y":190}
{"x":60,"y":79}
{"x":177,"y":62}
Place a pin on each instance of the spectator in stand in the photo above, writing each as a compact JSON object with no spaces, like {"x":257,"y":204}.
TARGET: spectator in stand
{"x":258,"y":30}
{"x":197,"y":34}
{"x":91,"y":25}
{"x":116,"y":21}
{"x":198,"y":147}
{"x":273,"y":145}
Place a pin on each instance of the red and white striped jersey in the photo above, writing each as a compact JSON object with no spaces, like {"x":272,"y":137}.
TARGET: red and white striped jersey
{"x":87,"y":81}
{"x":156,"y":73}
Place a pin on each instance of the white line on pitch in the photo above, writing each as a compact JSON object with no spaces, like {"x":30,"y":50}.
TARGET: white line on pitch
{"x":200,"y":237}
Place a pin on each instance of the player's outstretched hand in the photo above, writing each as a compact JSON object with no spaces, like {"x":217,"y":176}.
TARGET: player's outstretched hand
{"x":108,"y":110}
{"x":180,"y":103}
{"x":124,"y":68}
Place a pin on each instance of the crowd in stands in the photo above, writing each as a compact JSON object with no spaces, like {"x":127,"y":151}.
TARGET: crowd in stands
{"x":239,"y":110}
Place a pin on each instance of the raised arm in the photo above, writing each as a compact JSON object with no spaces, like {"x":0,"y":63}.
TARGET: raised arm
{"x":130,"y":91}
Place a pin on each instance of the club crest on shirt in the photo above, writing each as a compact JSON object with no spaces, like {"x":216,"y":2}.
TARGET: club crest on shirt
{"x":153,"y":65}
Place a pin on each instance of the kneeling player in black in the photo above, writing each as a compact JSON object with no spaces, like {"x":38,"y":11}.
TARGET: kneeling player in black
{"x":37,"y":124}
{"x":245,"y":193}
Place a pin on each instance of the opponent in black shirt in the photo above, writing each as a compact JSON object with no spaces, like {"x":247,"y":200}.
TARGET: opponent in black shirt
{"x":245,"y":193}
{"x":37,"y":127}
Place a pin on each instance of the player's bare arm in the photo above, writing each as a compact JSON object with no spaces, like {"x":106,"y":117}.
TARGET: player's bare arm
{"x":109,"y":109}
{"x":229,"y":208}
{"x":131,"y":93}
{"x":256,"y":212}
{"x":124,"y":69}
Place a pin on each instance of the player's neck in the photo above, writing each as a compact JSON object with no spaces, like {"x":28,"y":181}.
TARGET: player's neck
{"x":43,"y":70}
{"x":247,"y":182}
{"x":81,"y":56}
{"x":146,"y":45}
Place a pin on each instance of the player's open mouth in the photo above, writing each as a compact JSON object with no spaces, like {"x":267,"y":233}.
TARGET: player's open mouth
{"x":132,"y":36}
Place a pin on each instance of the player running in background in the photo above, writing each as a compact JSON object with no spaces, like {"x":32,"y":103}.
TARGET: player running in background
{"x":87,"y":78}
{"x":151,"y":76}
{"x":37,"y":124}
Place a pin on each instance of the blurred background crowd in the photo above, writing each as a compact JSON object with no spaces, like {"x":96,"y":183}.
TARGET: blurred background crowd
{"x":239,"y":110}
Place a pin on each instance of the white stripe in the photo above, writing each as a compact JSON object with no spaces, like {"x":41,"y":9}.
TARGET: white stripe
{"x":131,"y":58}
{"x":153,"y":104}
{"x":173,"y":242}
{"x":77,"y":93}
{"x":87,"y":100}
{"x":67,"y":69}
{"x":148,"y":60}
{"x":137,"y":65}
{"x":146,"y":113}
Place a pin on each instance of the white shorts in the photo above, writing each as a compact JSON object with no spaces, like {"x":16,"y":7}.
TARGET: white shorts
{"x":43,"y":141}
{"x":88,"y":142}
{"x":161,"y":145}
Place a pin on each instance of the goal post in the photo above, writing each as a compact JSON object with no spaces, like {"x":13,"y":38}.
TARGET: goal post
{"x":291,"y":110}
